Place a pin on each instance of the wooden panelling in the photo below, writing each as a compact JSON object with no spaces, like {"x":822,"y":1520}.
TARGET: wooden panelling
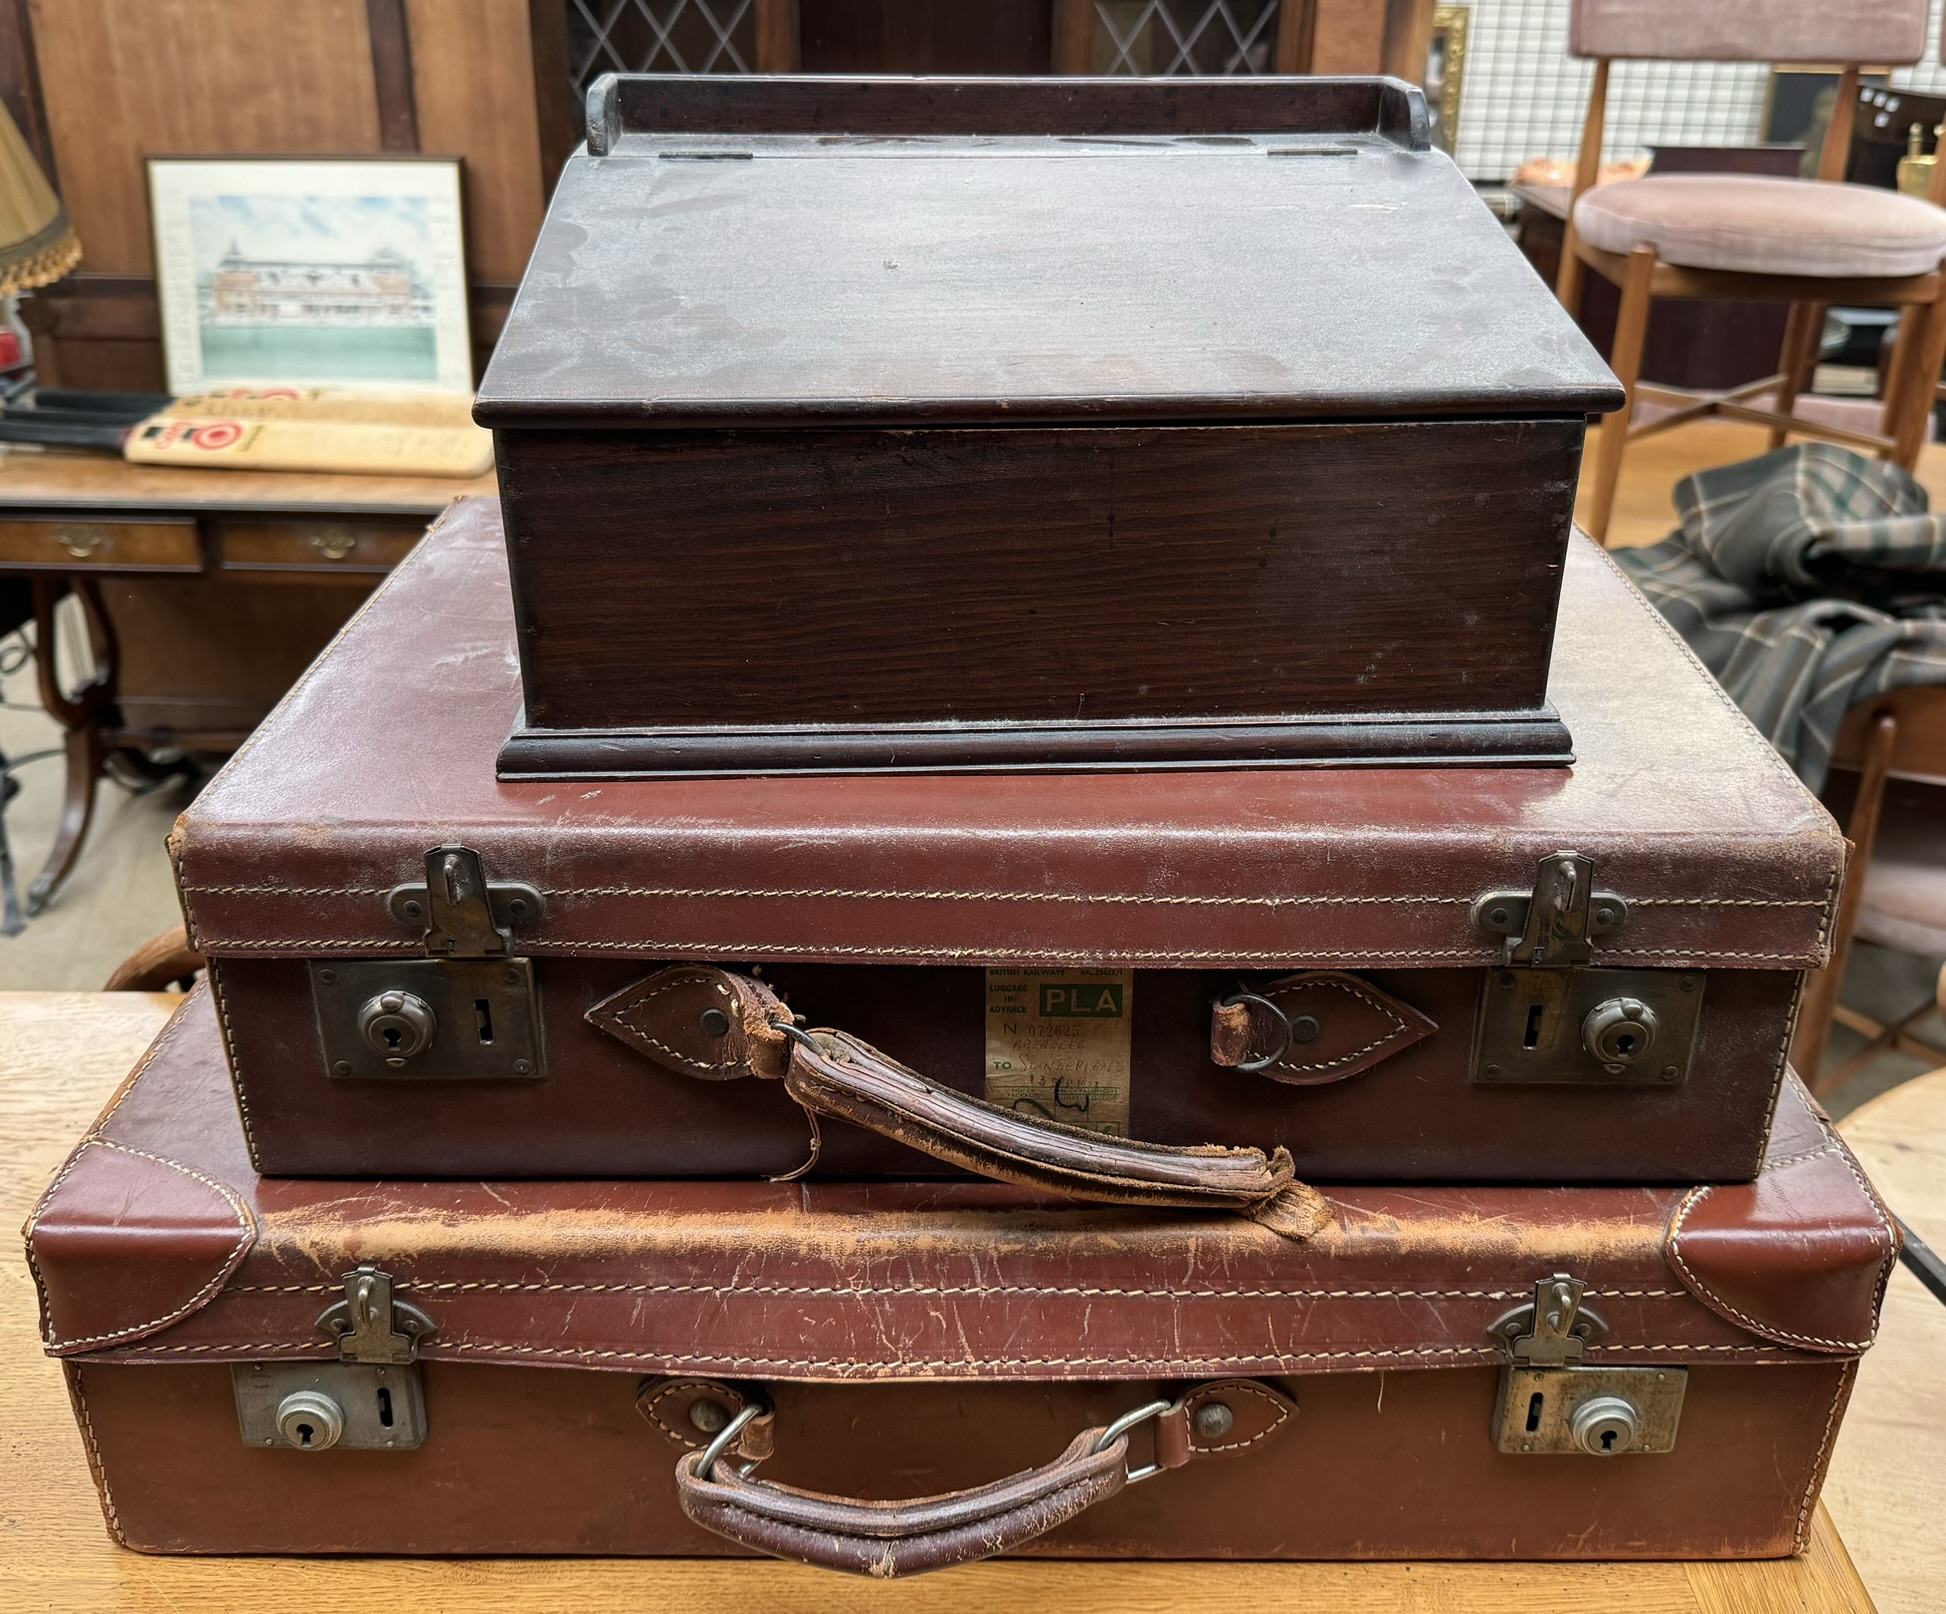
{"x":1348,"y":36}
{"x":1408,"y":39}
{"x":125,"y":79}
{"x":74,"y":545}
{"x":323,"y":544}
{"x":473,"y":81}
{"x":20,"y":89}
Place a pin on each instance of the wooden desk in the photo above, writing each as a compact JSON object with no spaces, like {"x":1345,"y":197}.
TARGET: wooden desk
{"x":205,"y":594}
{"x":65,"y":1054}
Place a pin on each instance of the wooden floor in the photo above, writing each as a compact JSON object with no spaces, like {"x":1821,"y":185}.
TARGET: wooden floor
{"x":1645,"y":512}
{"x":65,"y":1053}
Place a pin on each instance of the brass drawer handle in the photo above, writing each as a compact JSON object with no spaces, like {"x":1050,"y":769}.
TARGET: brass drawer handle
{"x":334,"y":543}
{"x":82,"y":540}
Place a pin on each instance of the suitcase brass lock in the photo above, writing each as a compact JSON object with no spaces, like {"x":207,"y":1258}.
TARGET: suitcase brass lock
{"x":1549,"y":1016}
{"x":397,"y":1025}
{"x":329,"y":1406}
{"x":466,"y":1012}
{"x":1551,"y":1404}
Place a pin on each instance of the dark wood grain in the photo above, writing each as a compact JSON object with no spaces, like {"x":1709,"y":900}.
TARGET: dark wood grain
{"x":398,"y":112}
{"x":651,"y":103}
{"x":924,"y":36}
{"x":1036,"y":576}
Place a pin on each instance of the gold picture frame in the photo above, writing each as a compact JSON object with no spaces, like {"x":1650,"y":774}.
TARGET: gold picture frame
{"x":1446,"y":72}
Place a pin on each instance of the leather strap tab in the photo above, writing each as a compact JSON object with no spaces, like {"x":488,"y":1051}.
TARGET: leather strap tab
{"x":837,"y":1075}
{"x":1220,"y":1420}
{"x":689,"y":1413}
{"x":700,"y":1021}
{"x":1314,"y":1028}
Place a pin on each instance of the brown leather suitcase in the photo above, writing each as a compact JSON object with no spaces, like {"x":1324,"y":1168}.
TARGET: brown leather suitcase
{"x":909,"y":424}
{"x":538,"y":1367}
{"x":1542,"y":975}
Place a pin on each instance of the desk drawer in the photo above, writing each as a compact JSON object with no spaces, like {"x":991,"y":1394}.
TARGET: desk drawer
{"x":150,"y":545}
{"x":317,"y":544}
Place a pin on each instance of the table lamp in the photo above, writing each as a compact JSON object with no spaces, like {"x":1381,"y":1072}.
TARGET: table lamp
{"x":37,"y":243}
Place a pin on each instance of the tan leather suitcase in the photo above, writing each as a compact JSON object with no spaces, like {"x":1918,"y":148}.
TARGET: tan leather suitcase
{"x":1483,"y":974}
{"x":543,"y":1367}
{"x":894,"y":424}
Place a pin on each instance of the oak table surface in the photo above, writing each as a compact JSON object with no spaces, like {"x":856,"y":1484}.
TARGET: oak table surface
{"x":63,"y":1054}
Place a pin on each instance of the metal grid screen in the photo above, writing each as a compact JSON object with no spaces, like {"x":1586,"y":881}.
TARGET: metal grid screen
{"x":658,"y":36}
{"x":1524,"y":96}
{"x":1172,"y":37}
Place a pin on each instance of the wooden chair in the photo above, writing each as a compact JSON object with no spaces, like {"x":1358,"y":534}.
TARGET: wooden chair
{"x":1807,"y":243}
{"x":159,"y":963}
{"x":1895,"y":889}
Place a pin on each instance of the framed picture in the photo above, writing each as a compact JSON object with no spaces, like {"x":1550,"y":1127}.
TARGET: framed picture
{"x":1446,"y":72}
{"x":317,"y":272}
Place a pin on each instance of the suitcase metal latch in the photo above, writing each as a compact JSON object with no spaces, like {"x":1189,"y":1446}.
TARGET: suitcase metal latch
{"x":1553,"y":926}
{"x":1552,"y":1405}
{"x":1549,"y":1016}
{"x":465,"y":1012}
{"x":370,"y":1325}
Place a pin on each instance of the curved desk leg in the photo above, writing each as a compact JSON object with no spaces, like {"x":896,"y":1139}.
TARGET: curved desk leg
{"x":84,"y":750}
{"x":84,"y":716}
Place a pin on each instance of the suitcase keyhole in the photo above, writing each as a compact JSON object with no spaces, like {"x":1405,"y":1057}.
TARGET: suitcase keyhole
{"x":385,"y":1406}
{"x":304,"y":1434}
{"x":1536,"y":1012}
{"x":483,"y":1018}
{"x":1608,"y":1441}
{"x":1534,"y":1412}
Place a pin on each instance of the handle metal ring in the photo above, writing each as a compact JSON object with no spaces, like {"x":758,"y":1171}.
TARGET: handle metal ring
{"x":754,"y":1408}
{"x":797,"y":1034}
{"x":1283,"y":1021}
{"x":1122,"y":1425}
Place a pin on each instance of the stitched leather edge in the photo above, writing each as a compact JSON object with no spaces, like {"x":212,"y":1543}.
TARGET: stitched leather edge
{"x":652,"y":947}
{"x":246,"y":1236}
{"x":1770,"y":1331}
{"x":1088,"y":899}
{"x":232,"y":1060}
{"x":901,"y":1291}
{"x":944,"y":1368}
{"x":78,"y":1395}
{"x":1821,"y":1464}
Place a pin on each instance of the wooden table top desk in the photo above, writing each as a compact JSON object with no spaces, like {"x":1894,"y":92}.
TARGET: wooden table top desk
{"x":64,"y":1054}
{"x":205,"y":594}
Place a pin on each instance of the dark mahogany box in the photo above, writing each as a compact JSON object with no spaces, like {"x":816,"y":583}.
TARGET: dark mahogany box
{"x":912,"y":424}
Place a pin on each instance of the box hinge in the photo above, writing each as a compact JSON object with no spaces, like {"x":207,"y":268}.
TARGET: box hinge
{"x":370,"y":1325}
{"x":1554,"y":925}
{"x":463,"y":914}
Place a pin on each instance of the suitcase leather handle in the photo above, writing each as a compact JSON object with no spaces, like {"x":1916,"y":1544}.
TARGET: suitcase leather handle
{"x":716,"y":1026}
{"x":832,"y":1073}
{"x":889,"y":1539}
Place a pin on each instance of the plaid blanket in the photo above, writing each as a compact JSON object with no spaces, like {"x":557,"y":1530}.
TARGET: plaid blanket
{"x":1808,"y":580}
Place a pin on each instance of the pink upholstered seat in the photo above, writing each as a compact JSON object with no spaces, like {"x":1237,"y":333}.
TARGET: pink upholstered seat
{"x":1756,"y":225}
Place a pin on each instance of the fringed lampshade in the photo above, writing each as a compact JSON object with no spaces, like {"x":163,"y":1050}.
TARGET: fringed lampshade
{"x":37,"y":243}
